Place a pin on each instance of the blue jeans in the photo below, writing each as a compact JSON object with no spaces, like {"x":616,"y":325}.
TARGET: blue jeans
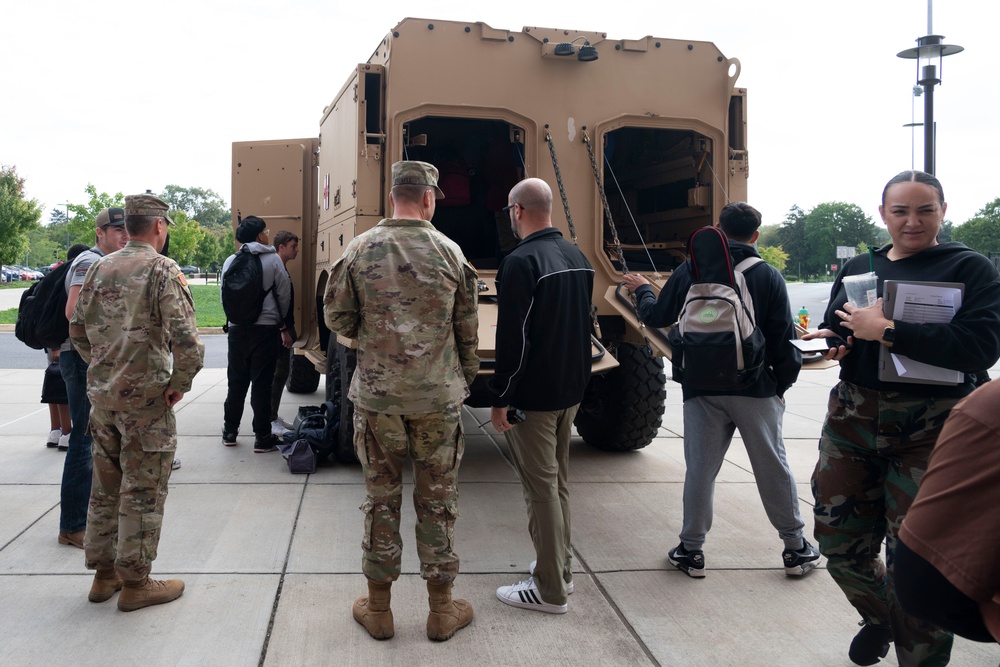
{"x":78,"y":467}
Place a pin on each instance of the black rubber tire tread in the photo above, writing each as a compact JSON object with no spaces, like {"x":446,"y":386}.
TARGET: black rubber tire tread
{"x":303,"y":378}
{"x":622,"y":410}
{"x":345,"y":363}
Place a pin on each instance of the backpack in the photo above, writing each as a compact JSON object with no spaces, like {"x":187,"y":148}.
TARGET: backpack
{"x":300,"y":457}
{"x":41,"y":314}
{"x":717,"y":345}
{"x":243,"y":290}
{"x":318,"y":428}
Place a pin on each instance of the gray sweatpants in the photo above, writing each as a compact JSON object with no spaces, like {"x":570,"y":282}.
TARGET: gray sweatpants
{"x":709,"y":424}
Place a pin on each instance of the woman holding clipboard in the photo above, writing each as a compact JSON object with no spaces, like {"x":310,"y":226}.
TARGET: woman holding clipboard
{"x":878,"y":433}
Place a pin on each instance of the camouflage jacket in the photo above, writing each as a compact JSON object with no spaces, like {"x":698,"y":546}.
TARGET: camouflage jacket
{"x":135,"y":310}
{"x":408,"y":296}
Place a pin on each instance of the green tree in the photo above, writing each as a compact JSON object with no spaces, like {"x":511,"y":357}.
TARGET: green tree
{"x":792,"y":237}
{"x":833,"y":224}
{"x":42,"y":249}
{"x":946,"y":231}
{"x":981,"y":233}
{"x":769,"y":235}
{"x":17,"y":216}
{"x":775,"y":256}
{"x":81,"y":224}
{"x":205,"y":206}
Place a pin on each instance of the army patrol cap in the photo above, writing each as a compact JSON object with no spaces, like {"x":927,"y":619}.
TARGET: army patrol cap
{"x":110,"y":217}
{"x":412,"y":172}
{"x":147,"y":204}
{"x":249,"y":229}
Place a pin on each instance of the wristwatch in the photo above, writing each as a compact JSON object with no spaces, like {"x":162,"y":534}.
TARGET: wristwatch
{"x":889,"y":335}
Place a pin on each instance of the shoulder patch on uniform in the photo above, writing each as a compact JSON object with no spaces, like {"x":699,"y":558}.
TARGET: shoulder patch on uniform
{"x":181,"y":279}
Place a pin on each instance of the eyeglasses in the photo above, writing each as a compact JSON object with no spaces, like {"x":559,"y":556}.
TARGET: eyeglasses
{"x":507,"y":208}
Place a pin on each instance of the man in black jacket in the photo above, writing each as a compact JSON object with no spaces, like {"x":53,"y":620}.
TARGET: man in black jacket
{"x":710,"y":418}
{"x":543,"y":359}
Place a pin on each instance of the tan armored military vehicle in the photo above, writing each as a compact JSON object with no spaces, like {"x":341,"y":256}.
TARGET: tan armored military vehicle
{"x":642,"y":140}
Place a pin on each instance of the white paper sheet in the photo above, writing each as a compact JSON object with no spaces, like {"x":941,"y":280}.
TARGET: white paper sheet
{"x":925,"y":304}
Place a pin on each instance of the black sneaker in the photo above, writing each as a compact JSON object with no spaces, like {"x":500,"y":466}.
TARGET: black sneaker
{"x":870,"y":645}
{"x":801,"y":561}
{"x":691,"y":563}
{"x":266,"y":443}
{"x":229,"y":438}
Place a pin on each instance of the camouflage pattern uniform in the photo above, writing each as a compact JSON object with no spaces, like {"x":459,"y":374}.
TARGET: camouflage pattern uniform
{"x":408,"y":296}
{"x":135,"y":310}
{"x":873,"y":453}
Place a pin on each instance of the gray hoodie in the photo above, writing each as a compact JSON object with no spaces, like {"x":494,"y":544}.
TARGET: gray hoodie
{"x":277,"y":302}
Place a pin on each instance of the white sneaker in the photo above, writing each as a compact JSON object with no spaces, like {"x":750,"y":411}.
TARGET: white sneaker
{"x":524,"y":594}
{"x":53,"y":438}
{"x":285,"y":424}
{"x":175,"y":464}
{"x":279,"y":429}
{"x":569,"y":584}
{"x":63,"y":442}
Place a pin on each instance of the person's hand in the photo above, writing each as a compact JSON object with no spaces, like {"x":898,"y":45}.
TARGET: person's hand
{"x":866,"y":323}
{"x":834,"y":353}
{"x":633,"y":281}
{"x":172,"y":397}
{"x":498,"y":417}
{"x":286,"y":339}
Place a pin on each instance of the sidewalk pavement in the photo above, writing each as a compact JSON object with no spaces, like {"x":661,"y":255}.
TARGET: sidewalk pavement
{"x":272,"y":561}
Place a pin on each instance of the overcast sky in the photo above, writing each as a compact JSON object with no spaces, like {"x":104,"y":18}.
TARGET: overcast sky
{"x":135,"y":95}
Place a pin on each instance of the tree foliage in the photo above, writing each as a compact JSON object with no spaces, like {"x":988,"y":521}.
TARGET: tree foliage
{"x":17,"y":216}
{"x":774,"y":256}
{"x":83,"y":217}
{"x":205,"y":206}
{"x":811,"y":239}
{"x":981,"y":233}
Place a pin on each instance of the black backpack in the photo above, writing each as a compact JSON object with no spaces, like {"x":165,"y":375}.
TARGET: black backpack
{"x":41,"y":315}
{"x":716,"y":344}
{"x":243,"y":290}
{"x":319,"y":428}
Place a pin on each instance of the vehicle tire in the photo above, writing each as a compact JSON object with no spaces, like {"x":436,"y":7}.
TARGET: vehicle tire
{"x":340,"y":363}
{"x":622,"y":410}
{"x":303,"y":378}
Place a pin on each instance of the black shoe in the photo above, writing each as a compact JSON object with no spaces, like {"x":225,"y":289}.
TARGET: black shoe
{"x":229,"y":438}
{"x":266,"y":443}
{"x":802,"y":561}
{"x":691,"y":563}
{"x":870,"y":645}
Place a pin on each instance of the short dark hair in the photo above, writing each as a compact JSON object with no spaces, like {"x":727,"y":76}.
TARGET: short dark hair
{"x":75,"y":250}
{"x":409,"y":193}
{"x":739,"y":220}
{"x":138,"y":225}
{"x":283,"y":237}
{"x":915,"y":176}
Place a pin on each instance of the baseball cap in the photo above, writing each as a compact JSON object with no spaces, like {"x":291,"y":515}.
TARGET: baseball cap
{"x":249,"y":229}
{"x":146,"y":204}
{"x":110,"y":217}
{"x":414,"y":172}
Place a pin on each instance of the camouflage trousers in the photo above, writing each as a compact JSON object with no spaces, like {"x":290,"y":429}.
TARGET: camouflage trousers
{"x":132,"y":453}
{"x":434,"y":443}
{"x":872,"y":455}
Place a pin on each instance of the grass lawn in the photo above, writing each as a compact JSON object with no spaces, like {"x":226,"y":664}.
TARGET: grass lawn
{"x":207,"y":307}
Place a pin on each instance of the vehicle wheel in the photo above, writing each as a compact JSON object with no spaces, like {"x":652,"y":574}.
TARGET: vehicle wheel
{"x":622,"y":410}
{"x":340,"y":363}
{"x":303,"y":378}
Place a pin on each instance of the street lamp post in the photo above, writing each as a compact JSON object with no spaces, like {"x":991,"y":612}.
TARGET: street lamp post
{"x":928,"y":53}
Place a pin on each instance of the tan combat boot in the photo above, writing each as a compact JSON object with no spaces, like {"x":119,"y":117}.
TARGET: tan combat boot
{"x":373,"y":612}
{"x":136,"y":595}
{"x":106,"y":584}
{"x":447,"y":616}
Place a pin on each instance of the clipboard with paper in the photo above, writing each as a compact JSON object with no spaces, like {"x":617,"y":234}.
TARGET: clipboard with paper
{"x":921,"y":303}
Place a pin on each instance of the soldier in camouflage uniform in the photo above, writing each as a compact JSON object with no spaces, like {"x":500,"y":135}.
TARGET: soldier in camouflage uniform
{"x":879,"y":434}
{"x":134,"y":312}
{"x":408,"y":296}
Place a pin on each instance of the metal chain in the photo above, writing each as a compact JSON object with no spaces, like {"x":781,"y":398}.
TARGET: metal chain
{"x":615,"y":241}
{"x":562,"y":189}
{"x":614,"y":236}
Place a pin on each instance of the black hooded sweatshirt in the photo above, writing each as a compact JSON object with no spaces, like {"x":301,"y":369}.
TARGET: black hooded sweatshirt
{"x":969,"y":343}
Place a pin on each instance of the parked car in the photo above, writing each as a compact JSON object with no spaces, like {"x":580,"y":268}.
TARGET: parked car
{"x":189,"y":270}
{"x":10,"y":274}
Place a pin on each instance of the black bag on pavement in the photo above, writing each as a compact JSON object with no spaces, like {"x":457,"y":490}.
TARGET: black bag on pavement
{"x":319,"y":429}
{"x":299,"y":456}
{"x":41,"y":314}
